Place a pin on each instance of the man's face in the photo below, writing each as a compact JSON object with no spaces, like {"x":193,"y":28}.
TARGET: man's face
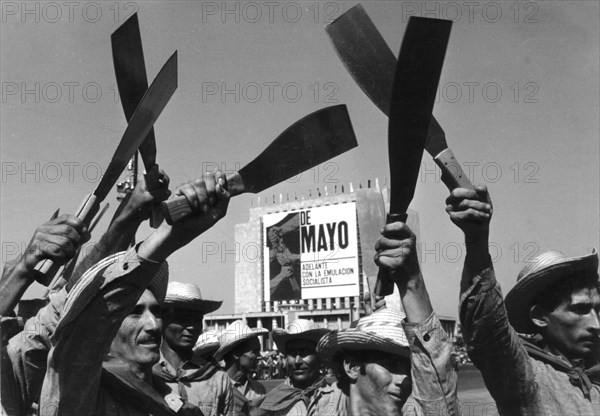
{"x":138,"y":338}
{"x":384,"y":384}
{"x":303,"y":362}
{"x":182,"y":327}
{"x":249,"y":352}
{"x":573,"y":328}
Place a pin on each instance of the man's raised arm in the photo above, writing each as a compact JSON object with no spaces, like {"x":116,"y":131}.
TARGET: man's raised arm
{"x":108,"y":292}
{"x":56,"y":240}
{"x":122,"y":229}
{"x":434,"y":379}
{"x":493,"y":345}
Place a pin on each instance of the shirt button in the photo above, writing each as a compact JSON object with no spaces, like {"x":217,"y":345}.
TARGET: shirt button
{"x":426,"y":337}
{"x":125,"y":266}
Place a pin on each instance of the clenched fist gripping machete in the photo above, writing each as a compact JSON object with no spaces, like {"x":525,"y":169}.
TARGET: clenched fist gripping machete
{"x":314,"y":139}
{"x":147,"y":112}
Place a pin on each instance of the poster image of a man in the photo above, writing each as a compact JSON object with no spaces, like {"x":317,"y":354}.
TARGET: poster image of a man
{"x":283,"y":241}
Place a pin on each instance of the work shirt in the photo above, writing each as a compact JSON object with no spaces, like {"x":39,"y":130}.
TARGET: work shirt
{"x":520,"y":384}
{"x":92,"y":315}
{"x":213,"y":394}
{"x":24,"y":358}
{"x":246,"y":395}
{"x":287,"y":400}
{"x":250,"y":389}
{"x":434,"y":380}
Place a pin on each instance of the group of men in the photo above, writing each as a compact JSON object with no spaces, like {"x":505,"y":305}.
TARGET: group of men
{"x":116,"y":338}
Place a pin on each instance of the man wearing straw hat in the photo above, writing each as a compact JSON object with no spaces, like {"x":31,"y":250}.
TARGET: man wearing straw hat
{"x":556,"y":302}
{"x":194,"y":379}
{"x":385,"y":357}
{"x":240,"y":349}
{"x":116,"y":307}
{"x":298,"y":342}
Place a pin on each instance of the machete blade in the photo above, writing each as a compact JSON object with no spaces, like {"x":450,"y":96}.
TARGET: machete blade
{"x":146,"y":114}
{"x":413,"y":95}
{"x":314,"y":139}
{"x":367,"y":57}
{"x":365,"y":54}
{"x":132,"y":81}
{"x":308,"y":142}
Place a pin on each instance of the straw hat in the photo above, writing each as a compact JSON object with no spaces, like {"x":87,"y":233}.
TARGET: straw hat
{"x":94,"y":280}
{"x":188,"y":296}
{"x":207,"y":344}
{"x":235,"y":334}
{"x":543,"y":271}
{"x":298,"y":329}
{"x":380,"y":331}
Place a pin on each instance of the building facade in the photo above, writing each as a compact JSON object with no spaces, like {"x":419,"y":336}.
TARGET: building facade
{"x":251,"y":303}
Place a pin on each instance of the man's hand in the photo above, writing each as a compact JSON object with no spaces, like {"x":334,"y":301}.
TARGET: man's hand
{"x":471,"y":211}
{"x":57,"y":240}
{"x":139,"y":205}
{"x":209,"y":199}
{"x":396,"y":252}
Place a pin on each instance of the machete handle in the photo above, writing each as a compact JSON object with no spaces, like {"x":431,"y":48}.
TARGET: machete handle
{"x":452,"y":174}
{"x":384,"y":285}
{"x":177,"y":208}
{"x":154,"y":181}
{"x":46,"y":269}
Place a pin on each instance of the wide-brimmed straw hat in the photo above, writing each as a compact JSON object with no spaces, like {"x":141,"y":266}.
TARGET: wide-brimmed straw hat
{"x":543,"y":271}
{"x":298,"y":329}
{"x":380,"y":331}
{"x":188,"y":296}
{"x":94,"y":280}
{"x":207,"y":344}
{"x":235,"y":334}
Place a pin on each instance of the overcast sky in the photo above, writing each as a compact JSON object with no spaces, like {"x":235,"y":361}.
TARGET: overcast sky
{"x":518,"y":100}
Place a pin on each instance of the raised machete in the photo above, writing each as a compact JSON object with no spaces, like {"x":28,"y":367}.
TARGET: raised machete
{"x":314,"y":139}
{"x":154,"y":101}
{"x":371,"y":63}
{"x":132,"y":81}
{"x":413,"y":95}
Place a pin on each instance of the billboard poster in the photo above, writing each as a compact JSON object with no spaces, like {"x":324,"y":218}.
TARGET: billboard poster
{"x":311,"y":253}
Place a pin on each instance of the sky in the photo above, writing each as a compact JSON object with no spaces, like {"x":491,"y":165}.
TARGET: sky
{"x":518,"y":100}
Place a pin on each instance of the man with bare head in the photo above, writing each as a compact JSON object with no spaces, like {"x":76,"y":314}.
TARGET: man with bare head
{"x":116,"y":307}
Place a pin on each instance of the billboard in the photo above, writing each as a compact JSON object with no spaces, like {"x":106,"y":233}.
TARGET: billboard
{"x":311,"y":253}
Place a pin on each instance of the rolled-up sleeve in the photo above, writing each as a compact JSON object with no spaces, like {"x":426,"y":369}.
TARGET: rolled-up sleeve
{"x":92,"y":315}
{"x":493,"y":345}
{"x":434,"y":378}
{"x":28,"y":350}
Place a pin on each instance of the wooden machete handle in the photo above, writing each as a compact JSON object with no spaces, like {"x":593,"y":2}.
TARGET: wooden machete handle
{"x":154,"y":181}
{"x":384,"y":285}
{"x":177,"y":208}
{"x":46,"y":269}
{"x":452,"y":174}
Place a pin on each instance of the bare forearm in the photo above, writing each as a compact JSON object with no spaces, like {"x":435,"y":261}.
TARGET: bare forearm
{"x":15,"y":281}
{"x":415,"y":299}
